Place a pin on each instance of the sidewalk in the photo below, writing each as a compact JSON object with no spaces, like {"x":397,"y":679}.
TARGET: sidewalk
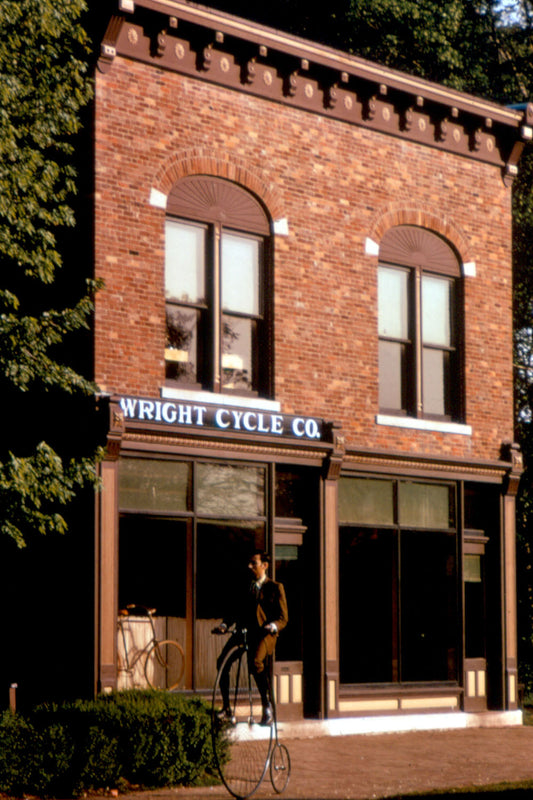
{"x":361,"y":767}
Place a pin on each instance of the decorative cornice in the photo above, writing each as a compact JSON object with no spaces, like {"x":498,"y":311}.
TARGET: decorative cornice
{"x":132,"y":440}
{"x":410,"y":464}
{"x":219,"y":48}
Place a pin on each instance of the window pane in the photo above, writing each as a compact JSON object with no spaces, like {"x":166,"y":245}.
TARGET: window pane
{"x":474,"y":607}
{"x":392,"y":376}
{"x":222,"y":575}
{"x":151,"y":485}
{"x":240,"y":274}
{"x":428,"y":607}
{"x":152,"y":573}
{"x":229,"y":491}
{"x":237,"y":337}
{"x":364,"y":500}
{"x":435,"y":381}
{"x":426,"y":505}
{"x":290,"y":572}
{"x":182,"y":344}
{"x":367,"y":606}
{"x":392,"y":304}
{"x":152,"y":564}
{"x":185,"y":262}
{"x":436,"y":311}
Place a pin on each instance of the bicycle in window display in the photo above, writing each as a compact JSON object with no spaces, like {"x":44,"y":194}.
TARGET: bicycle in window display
{"x":162,"y":660}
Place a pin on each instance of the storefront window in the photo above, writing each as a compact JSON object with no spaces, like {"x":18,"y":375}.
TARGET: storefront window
{"x":397,"y":582}
{"x":186,"y":532}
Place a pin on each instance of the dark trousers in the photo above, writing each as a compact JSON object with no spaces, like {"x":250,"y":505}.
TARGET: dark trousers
{"x":258,"y":649}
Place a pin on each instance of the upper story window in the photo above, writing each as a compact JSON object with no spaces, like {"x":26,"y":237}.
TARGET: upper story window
{"x":419,"y":325}
{"x":217,"y":288}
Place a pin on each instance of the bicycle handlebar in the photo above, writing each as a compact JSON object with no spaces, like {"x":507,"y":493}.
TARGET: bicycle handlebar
{"x":234,"y":629}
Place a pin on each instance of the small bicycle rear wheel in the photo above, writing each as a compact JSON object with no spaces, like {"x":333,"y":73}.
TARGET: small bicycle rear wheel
{"x":280,"y":767}
{"x":164,"y":665}
{"x":241,"y":745}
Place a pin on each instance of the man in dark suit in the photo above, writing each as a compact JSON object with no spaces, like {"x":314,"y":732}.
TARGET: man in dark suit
{"x":263,"y":612}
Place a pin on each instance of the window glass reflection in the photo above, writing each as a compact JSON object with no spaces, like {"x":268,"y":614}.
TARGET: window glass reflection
{"x":392,"y":376}
{"x":181,"y":351}
{"x":228,"y":491}
{"x":240,"y":274}
{"x":237,"y":341}
{"x":392,"y":305}
{"x":151,"y":485}
{"x":185,"y":262}
{"x":436,"y":311}
{"x":365,"y":500}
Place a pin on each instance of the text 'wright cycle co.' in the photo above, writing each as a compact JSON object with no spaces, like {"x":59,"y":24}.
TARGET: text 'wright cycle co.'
{"x":248,"y":749}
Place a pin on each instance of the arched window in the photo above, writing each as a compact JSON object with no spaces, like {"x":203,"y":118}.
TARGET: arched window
{"x":217,"y":288}
{"x":419,"y":333}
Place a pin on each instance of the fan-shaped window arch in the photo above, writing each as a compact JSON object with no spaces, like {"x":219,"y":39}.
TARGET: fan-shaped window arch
{"x":419,"y":290}
{"x":217,"y":281}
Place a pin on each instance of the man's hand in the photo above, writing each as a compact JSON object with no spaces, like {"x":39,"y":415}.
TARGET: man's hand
{"x":271,"y":627}
{"x":222,"y":628}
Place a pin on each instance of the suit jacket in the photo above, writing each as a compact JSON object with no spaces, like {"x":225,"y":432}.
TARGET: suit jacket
{"x":255,"y":612}
{"x":272,"y":605}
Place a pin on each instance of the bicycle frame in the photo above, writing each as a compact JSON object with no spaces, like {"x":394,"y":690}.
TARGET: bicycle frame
{"x":129,"y":666}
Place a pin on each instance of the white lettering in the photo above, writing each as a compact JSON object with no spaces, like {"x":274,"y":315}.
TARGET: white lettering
{"x":311,"y":429}
{"x":276,"y":423}
{"x":219,"y":420}
{"x":247,"y":421}
{"x":169,"y":413}
{"x":146,"y":409}
{"x":200,"y":411}
{"x":237,"y":416}
{"x":298,"y":427}
{"x":128,"y":405}
{"x":261,"y":424}
{"x":184,"y":415}
{"x":225,"y":418}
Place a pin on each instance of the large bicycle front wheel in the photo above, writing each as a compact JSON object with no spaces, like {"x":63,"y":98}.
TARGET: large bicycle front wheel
{"x":164,"y":665}
{"x":241,"y":745}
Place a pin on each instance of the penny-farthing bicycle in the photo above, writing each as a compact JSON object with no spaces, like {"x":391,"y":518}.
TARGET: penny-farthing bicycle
{"x":252,"y":749}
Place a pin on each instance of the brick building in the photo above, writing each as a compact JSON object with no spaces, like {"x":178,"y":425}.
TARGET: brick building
{"x":305,"y":343}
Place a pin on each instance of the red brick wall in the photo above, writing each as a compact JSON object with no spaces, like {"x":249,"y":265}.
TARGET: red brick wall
{"x":336,"y":184}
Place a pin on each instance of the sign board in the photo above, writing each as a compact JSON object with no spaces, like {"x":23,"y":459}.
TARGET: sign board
{"x":223,"y":418}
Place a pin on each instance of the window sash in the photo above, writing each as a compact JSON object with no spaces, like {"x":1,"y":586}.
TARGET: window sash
{"x":416,"y":342}
{"x":214,"y":302}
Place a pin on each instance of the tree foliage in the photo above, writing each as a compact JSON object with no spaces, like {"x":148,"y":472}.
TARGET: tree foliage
{"x":44,"y":86}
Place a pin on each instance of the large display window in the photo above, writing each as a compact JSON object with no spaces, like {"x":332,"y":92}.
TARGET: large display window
{"x":398,"y":582}
{"x":186,"y":531}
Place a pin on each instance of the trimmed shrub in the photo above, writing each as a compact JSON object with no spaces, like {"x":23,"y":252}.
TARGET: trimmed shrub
{"x":141,"y":738}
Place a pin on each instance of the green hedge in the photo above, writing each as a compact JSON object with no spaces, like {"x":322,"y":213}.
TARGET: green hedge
{"x":132,"y":738}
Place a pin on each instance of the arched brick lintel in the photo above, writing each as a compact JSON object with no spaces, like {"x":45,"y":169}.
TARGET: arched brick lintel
{"x":203,"y":162}
{"x":431,"y":220}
